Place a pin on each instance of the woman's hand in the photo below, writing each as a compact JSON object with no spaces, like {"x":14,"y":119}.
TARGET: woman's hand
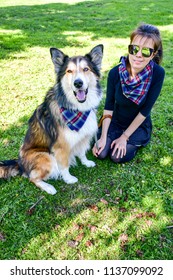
{"x":119,"y":146}
{"x":99,"y":146}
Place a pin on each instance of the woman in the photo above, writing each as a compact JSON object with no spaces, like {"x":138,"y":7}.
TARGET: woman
{"x":132,"y":89}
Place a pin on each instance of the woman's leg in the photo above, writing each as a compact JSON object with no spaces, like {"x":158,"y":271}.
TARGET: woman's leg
{"x":131,"y":151}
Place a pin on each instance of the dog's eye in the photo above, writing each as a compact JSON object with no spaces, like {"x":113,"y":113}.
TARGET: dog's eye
{"x":86,"y":69}
{"x":69,"y":71}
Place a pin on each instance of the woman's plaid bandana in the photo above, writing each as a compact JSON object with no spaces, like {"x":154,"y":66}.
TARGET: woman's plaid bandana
{"x":74,"y":119}
{"x":137,"y":88}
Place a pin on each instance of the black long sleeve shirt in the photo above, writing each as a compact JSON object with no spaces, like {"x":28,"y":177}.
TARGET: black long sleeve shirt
{"x":124,"y":110}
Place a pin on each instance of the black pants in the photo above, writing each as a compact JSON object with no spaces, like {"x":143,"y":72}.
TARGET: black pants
{"x":131,"y":151}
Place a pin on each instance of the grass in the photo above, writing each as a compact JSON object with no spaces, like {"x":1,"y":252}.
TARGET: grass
{"x":114,"y":211}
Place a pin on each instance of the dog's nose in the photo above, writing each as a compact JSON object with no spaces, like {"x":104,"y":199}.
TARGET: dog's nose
{"x":78,"y":83}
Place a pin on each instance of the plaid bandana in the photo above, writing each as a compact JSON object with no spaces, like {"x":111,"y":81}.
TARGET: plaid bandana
{"x":137,"y":88}
{"x":74,"y":119}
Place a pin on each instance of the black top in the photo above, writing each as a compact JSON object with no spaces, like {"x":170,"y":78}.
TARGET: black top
{"x":125,"y":110}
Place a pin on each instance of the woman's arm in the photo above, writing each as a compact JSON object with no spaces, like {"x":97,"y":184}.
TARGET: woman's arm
{"x":97,"y":149}
{"x":138,"y":120}
{"x":106,"y":123}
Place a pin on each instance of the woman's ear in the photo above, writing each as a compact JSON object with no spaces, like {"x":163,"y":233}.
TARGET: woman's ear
{"x":155,"y":53}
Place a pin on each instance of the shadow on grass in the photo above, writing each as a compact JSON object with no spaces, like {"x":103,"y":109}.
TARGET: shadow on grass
{"x":51,"y":24}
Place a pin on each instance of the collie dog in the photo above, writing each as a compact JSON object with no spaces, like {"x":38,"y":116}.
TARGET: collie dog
{"x":62,"y":127}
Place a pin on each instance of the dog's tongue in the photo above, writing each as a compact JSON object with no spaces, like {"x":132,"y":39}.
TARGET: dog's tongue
{"x":80,"y":95}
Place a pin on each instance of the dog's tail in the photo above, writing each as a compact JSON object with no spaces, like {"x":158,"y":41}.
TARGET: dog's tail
{"x":9,"y":168}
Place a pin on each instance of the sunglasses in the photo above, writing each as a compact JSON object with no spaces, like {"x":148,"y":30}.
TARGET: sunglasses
{"x":134,"y":49}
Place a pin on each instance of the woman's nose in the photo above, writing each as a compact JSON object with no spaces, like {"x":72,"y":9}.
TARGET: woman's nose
{"x":139,"y":53}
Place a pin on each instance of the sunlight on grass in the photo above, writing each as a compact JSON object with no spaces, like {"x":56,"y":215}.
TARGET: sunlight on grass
{"x":38,"y":2}
{"x":166,"y":161}
{"x":154,"y":203}
{"x":167,"y":28}
{"x":12,"y":32}
{"x":103,"y":230}
{"x":114,"y":48}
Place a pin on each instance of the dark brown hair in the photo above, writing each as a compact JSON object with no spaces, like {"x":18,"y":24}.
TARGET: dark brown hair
{"x":151,"y":32}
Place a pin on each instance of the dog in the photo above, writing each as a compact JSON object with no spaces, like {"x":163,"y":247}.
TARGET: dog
{"x":62,"y":127}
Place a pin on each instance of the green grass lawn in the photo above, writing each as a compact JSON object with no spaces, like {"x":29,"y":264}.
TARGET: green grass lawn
{"x":114,"y":211}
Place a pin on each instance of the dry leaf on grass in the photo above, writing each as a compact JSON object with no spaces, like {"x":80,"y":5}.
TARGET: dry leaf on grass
{"x":123,"y":241}
{"x":92,"y":228}
{"x":123,"y":238}
{"x":104,"y":201}
{"x":145,"y":214}
{"x":149,"y":223}
{"x":139,"y":253}
{"x":88,"y":243}
{"x":94,"y":208}
{"x":78,"y":226}
{"x":2,"y":237}
{"x":57,"y":226}
{"x":80,"y":237}
{"x":72,"y":243}
{"x":122,"y":209}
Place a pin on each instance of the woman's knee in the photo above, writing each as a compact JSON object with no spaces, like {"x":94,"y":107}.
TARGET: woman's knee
{"x":103,"y":155}
{"x":106,"y":149}
{"x":131,"y":152}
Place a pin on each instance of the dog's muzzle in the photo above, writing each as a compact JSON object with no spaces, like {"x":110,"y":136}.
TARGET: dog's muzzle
{"x":79,"y":92}
{"x":81,"y":95}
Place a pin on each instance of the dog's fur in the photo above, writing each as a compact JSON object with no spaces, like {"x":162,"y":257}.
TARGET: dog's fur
{"x":50,"y":146}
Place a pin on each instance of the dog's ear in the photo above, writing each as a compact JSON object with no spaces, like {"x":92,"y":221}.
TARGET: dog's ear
{"x":96,"y":55}
{"x":58,"y":58}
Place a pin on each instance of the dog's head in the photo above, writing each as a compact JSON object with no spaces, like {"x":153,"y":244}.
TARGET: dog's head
{"x":79,"y":77}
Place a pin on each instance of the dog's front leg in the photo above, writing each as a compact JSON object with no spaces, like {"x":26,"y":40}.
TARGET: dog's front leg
{"x":86,"y":162}
{"x":61,"y":152}
{"x":80,"y":152}
{"x":67,"y":177}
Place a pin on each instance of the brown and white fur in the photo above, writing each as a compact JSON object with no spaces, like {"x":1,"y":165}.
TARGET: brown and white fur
{"x":50,"y":146}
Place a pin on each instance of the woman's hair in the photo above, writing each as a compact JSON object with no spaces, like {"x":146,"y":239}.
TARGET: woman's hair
{"x":151,"y":32}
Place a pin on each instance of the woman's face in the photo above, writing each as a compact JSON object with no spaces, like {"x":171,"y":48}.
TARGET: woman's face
{"x":138,"y":61}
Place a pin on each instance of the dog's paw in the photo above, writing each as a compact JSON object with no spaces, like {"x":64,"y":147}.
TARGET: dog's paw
{"x":46,"y":187}
{"x":70,"y":179}
{"x":51,"y":190}
{"x":67,"y":177}
{"x":89,"y":163}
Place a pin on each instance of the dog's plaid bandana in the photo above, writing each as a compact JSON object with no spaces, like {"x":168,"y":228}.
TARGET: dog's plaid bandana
{"x":74,"y":119}
{"x":137,"y":88}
